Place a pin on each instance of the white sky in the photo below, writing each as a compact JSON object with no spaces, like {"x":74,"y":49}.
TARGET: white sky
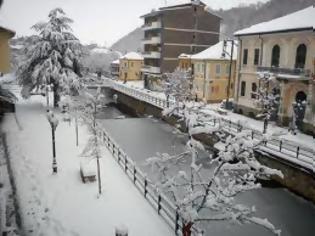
{"x":99,"y":21}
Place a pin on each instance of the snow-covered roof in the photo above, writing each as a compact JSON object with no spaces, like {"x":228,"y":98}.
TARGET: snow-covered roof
{"x":115,"y":62}
{"x":132,"y":56}
{"x":100,"y":50}
{"x":11,"y":32}
{"x":184,"y":56}
{"x":215,"y":52}
{"x":300,"y":20}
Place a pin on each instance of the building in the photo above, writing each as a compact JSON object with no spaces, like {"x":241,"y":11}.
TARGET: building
{"x":211,"y":72}
{"x":130,"y":66}
{"x":114,"y":68}
{"x":5,"y":36}
{"x":285,"y":49}
{"x":170,"y":31}
{"x":184,"y":62}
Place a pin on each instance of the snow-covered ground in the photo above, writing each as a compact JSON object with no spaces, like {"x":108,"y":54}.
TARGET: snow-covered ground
{"x":61,"y":205}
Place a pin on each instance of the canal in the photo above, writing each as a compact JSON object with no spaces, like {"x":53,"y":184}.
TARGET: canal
{"x":141,"y":138}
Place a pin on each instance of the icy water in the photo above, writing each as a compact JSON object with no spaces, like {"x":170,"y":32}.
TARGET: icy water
{"x":144,"y":137}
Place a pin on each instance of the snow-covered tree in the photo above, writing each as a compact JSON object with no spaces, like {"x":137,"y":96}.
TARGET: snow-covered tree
{"x":92,"y":148}
{"x":268,"y":98}
{"x":53,"y":59}
{"x":178,"y":85}
{"x":202,"y":195}
{"x":298,"y":108}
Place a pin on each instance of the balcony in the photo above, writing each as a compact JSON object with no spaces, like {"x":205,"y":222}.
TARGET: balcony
{"x":152,"y":40}
{"x":151,"y":69}
{"x":152,"y":26}
{"x":286,"y":73}
{"x":152,"y":54}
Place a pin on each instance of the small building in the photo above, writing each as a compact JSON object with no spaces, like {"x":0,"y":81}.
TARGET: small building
{"x":184,"y":62}
{"x":211,"y":72}
{"x":114,"y":68}
{"x":130,"y":66}
{"x":283,"y":48}
{"x":5,"y":36}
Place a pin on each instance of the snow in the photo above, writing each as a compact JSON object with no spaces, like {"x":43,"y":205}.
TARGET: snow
{"x":7,"y":78}
{"x":215,"y":52}
{"x":298,"y":20}
{"x":184,"y":56}
{"x":18,"y":46}
{"x":60,"y":204}
{"x":132,"y":56}
{"x":115,"y":62}
{"x":100,"y":50}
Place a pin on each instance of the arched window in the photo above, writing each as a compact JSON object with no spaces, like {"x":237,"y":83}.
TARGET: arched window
{"x":300,"y":56}
{"x":275,"y":57}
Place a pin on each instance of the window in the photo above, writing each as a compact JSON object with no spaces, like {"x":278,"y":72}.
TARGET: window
{"x":243,"y":88}
{"x":227,"y":69}
{"x":245,"y":56}
{"x":256,"y":56}
{"x":254,"y":91}
{"x":218,"y":69}
{"x":131,"y":64}
{"x":232,"y":86}
{"x":275,"y":56}
{"x":300,"y":56}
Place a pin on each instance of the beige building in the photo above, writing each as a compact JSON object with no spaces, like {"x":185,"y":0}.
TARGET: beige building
{"x":211,"y":69}
{"x":285,"y":49}
{"x":5,"y":36}
{"x":130,"y":66}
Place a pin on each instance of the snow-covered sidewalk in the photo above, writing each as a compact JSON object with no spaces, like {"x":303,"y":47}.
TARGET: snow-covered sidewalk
{"x":61,"y":204}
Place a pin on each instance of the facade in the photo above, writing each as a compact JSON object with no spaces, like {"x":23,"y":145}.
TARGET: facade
{"x":211,"y":72}
{"x":5,"y":36}
{"x":170,"y":31}
{"x":114,"y":68}
{"x":184,"y":62}
{"x":285,"y":49}
{"x":130,"y":66}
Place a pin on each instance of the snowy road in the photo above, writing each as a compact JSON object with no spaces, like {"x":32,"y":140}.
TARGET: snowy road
{"x":61,"y":205}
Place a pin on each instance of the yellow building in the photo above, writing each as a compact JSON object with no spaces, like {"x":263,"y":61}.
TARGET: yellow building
{"x":5,"y":36}
{"x":211,"y":69}
{"x":184,"y":61}
{"x":130,"y":66}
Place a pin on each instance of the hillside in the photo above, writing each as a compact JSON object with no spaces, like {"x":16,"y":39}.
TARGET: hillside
{"x":233,"y":19}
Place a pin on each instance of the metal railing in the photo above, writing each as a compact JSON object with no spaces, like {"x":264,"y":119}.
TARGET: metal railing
{"x":159,"y":201}
{"x":287,"y":71}
{"x":284,"y":149}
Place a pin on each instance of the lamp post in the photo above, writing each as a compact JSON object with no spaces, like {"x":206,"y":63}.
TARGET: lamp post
{"x":53,"y":121}
{"x":230,"y":69}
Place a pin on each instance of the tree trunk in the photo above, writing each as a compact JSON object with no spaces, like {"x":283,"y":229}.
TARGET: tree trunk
{"x":56,"y":95}
{"x":187,"y":229}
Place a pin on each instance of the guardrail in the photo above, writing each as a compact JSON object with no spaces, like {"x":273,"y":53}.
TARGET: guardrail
{"x":295,"y":153}
{"x":158,"y":201}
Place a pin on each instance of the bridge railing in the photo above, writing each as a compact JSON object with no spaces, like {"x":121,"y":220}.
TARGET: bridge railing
{"x":296,"y":153}
{"x":159,"y":201}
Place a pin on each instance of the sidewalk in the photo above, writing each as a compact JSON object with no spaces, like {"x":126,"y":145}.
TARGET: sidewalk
{"x":61,"y":205}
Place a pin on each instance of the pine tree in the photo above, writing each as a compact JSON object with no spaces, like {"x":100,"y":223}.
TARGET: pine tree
{"x":53,"y":59}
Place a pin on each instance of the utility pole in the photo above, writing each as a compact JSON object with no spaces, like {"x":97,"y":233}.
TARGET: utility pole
{"x":53,"y":121}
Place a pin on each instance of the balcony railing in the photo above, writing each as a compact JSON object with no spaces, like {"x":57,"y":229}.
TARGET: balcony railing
{"x":286,"y":73}
{"x":152,"y":40}
{"x":152,"y":25}
{"x":151,"y":69}
{"x":152,"y":54}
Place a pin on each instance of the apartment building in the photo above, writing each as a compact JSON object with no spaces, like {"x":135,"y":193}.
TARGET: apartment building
{"x":5,"y":36}
{"x":130,"y":66}
{"x":284,"y":49}
{"x":114,"y":68}
{"x":211,"y":77}
{"x":170,"y":31}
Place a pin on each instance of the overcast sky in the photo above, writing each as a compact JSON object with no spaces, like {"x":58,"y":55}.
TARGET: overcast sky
{"x":99,"y":21}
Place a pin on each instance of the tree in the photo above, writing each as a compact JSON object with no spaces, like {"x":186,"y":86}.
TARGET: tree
{"x":177,"y":85}
{"x":200,"y":196}
{"x":52,"y":59}
{"x":268,"y":99}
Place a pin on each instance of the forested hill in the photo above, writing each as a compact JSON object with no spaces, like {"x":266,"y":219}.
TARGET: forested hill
{"x":233,"y":19}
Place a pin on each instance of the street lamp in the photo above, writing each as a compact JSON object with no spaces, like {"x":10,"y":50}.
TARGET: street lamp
{"x":53,"y":121}
{"x":230,"y":69}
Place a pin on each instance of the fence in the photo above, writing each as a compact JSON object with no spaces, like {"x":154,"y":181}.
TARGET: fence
{"x":159,"y":201}
{"x":298,"y":154}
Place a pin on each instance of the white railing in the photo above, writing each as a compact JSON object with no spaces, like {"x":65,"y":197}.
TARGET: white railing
{"x":284,"y":149}
{"x":153,"y":25}
{"x":151,"y":54}
{"x":152,"y":40}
